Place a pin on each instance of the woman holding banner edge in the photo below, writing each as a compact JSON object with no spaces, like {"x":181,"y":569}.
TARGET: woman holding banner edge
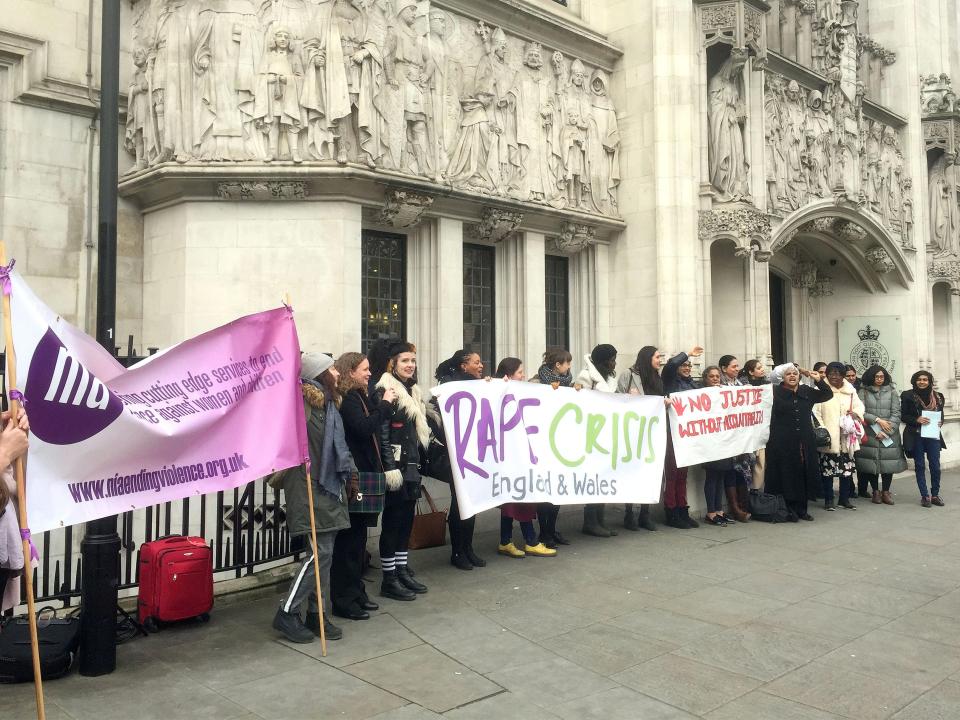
{"x":717,"y":473}
{"x":793,"y":470}
{"x":599,"y":373}
{"x":676,"y":377}
{"x":462,"y":365}
{"x":554,"y":371}
{"x":524,"y":513}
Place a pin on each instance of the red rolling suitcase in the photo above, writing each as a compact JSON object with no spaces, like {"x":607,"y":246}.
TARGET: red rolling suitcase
{"x":176,"y":580}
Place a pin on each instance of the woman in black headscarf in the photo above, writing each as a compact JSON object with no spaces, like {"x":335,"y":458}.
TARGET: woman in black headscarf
{"x":913,"y":404}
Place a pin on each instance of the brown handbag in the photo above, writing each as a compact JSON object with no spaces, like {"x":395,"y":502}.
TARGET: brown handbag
{"x":430,"y":528}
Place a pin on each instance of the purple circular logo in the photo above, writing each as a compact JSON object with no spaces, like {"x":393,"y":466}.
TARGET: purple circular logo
{"x":65,"y":402}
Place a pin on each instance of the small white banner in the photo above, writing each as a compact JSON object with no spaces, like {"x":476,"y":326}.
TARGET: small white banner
{"x":525,"y":442}
{"x":719,"y":422}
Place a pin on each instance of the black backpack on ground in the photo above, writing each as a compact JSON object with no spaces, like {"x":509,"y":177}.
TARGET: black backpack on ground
{"x":770,"y":508}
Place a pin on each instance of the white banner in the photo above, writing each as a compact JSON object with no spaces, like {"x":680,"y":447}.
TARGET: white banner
{"x":525,"y":442}
{"x":719,"y":422}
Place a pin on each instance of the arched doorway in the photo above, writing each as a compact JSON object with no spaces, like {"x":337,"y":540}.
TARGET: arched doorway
{"x":848,"y":288}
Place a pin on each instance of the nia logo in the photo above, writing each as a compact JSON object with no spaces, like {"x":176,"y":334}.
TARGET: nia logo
{"x":65,"y":402}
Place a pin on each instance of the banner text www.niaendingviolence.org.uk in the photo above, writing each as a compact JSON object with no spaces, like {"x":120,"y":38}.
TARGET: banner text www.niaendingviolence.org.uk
{"x":154,"y":480}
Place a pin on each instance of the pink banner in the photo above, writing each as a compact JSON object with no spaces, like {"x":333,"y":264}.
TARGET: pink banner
{"x":211,"y":413}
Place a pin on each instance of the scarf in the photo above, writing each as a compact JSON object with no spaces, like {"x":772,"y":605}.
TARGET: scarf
{"x":334,"y":464}
{"x":548,"y":377}
{"x":926,"y":399}
{"x":776,"y":377}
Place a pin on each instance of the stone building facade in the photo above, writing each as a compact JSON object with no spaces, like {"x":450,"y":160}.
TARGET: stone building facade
{"x":772,"y":179}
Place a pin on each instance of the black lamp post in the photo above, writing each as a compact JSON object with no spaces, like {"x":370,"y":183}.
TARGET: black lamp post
{"x":100,"y":548}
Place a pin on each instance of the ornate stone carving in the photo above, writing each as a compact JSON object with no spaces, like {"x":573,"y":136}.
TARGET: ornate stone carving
{"x":879,"y":260}
{"x":819,"y":145}
{"x":804,"y":275}
{"x":574,"y":237}
{"x":945,"y":270}
{"x":496,"y":224}
{"x":373,"y":82}
{"x":404,"y":208}
{"x":718,"y":17}
{"x":936,"y":94}
{"x":262,"y":190}
{"x":737,"y":23}
{"x":748,"y":227}
{"x":822,"y":287}
{"x":851,"y":232}
{"x":729,"y":172}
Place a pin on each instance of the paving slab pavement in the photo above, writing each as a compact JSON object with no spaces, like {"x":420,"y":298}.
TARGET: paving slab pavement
{"x":855,"y":615}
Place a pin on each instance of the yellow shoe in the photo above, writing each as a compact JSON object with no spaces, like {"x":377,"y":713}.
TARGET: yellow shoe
{"x":510,"y":550}
{"x":540,"y":550}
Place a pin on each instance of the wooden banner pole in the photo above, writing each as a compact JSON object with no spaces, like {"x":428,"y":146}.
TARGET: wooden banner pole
{"x":316,"y":562}
{"x":313,"y":540}
{"x":20,"y":476}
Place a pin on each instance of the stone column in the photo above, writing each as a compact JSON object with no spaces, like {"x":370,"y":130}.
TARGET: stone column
{"x":758,"y":273}
{"x":521,"y":303}
{"x":788,"y":28}
{"x":193,"y":251}
{"x":589,"y":305}
{"x":953,"y":333}
{"x":435,"y":291}
{"x":773,"y":25}
{"x":805,"y":17}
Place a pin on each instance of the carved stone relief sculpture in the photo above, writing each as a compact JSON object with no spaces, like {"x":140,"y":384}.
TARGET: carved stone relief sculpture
{"x":814,"y":150}
{"x":393,"y":85}
{"x":727,"y":116}
{"x":943,"y":208}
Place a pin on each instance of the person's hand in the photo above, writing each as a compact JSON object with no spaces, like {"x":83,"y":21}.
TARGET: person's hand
{"x":803,"y":371}
{"x":22,"y":421}
{"x":923,"y":421}
{"x":884,"y":425}
{"x":634,"y":391}
{"x":697,"y":351}
{"x":881,"y":436}
{"x":13,"y":441}
{"x":813,"y":375}
{"x":666,"y":400}
{"x":390,"y":395}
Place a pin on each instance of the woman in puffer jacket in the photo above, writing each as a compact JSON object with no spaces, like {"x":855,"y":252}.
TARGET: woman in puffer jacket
{"x":882,"y":415}
{"x":836,"y":459}
{"x":599,"y":373}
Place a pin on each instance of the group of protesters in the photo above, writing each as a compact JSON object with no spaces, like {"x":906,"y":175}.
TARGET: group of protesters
{"x":368,"y":421}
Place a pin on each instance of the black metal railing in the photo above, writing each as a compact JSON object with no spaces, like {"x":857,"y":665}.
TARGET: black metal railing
{"x":244,"y":527}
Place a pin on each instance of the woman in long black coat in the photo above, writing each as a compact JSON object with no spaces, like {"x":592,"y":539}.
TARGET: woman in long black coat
{"x":793,"y":469}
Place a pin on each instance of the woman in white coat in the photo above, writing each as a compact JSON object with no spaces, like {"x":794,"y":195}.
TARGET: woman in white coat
{"x":599,"y":373}
{"x":841,"y":416}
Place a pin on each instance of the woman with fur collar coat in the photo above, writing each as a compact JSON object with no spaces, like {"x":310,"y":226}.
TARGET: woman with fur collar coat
{"x":394,"y":366}
{"x":332,"y":469}
{"x":599,"y":373}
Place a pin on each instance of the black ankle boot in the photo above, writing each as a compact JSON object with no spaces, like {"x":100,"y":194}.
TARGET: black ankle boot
{"x":391,"y":587}
{"x":685,"y":516}
{"x":474,"y":559}
{"x":675,"y":519}
{"x":408,"y":582}
{"x":460,"y":561}
{"x":629,"y":519}
{"x":646,"y":522}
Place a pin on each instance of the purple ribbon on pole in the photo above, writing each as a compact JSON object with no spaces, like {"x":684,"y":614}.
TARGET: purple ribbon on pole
{"x":25,"y":535}
{"x":5,"y":277}
{"x":18,"y":396}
